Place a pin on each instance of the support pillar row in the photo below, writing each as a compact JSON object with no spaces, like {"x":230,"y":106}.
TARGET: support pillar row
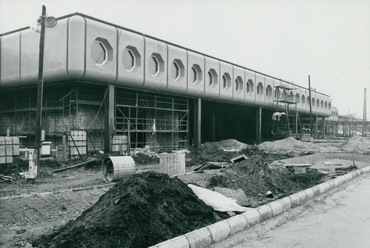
{"x":258,"y":125}
{"x":109,"y":118}
{"x":197,"y":122}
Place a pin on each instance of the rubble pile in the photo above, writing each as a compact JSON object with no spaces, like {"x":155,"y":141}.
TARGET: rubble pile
{"x":221,"y":151}
{"x":140,"y":211}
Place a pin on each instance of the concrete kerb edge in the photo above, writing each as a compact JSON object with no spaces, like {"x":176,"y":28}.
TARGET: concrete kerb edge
{"x":219,"y":230}
{"x":255,"y":216}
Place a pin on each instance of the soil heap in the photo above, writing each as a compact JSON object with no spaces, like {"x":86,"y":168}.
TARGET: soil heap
{"x":356,"y":144}
{"x":140,"y":211}
{"x":254,"y":177}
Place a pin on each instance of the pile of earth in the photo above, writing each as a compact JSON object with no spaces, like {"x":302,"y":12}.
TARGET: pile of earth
{"x":291,"y":144}
{"x":255,"y":177}
{"x":140,"y":211}
{"x":356,"y":144}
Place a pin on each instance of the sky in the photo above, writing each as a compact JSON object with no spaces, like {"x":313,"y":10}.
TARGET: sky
{"x":288,"y":39}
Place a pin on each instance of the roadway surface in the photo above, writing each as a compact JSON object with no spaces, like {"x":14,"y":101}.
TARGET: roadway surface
{"x":339,"y":218}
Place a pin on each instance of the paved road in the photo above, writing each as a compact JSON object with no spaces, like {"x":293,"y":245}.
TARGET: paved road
{"x":340,"y":218}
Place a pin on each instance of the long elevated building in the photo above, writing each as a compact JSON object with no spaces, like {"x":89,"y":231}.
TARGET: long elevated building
{"x":120,"y":85}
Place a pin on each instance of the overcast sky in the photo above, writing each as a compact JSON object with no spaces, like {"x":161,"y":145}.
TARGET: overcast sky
{"x":288,"y":39}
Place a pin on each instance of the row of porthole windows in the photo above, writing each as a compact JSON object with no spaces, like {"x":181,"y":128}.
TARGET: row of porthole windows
{"x":101,"y":52}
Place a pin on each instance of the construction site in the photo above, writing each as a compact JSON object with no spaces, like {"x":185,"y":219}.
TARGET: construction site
{"x":113,"y":138}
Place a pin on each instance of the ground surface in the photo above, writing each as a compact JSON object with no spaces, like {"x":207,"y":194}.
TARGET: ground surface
{"x":339,"y":218}
{"x":29,"y":210}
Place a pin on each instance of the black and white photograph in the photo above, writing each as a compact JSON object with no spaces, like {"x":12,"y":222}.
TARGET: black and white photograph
{"x":184,"y":124}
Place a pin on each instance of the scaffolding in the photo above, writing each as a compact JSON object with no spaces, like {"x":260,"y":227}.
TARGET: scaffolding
{"x":283,"y":129}
{"x":158,"y":121}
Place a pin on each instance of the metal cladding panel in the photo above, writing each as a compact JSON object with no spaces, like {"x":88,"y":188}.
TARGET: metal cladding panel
{"x":238,"y":92}
{"x":305,"y":107}
{"x":297,"y":98}
{"x":269,"y":92}
{"x":30,"y":41}
{"x":130,"y":59}
{"x":212,"y":78}
{"x":101,"y":52}
{"x":10,"y":60}
{"x":196,"y":74}
{"x":327,"y":100}
{"x":226,"y":81}
{"x":76,"y":52}
{"x":250,"y":87}
{"x":260,"y":91}
{"x":55,"y":52}
{"x":177,"y":70}
{"x":155,"y":65}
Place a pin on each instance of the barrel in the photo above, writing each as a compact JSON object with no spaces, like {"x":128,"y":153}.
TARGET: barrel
{"x":172,"y":163}
{"x":118,"y":167}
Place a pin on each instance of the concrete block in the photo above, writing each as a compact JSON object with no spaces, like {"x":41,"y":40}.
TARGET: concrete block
{"x":347,"y":177}
{"x":332,"y":184}
{"x":237,"y":223}
{"x":316,"y":190}
{"x":199,"y":238}
{"x":366,"y":169}
{"x":276,"y":207}
{"x":340,"y":180}
{"x":310,"y":193}
{"x":180,"y":241}
{"x":355,"y":173}
{"x":265,"y":212}
{"x":219,"y":231}
{"x":302,"y":197}
{"x":294,"y":200}
{"x":252,"y":217}
{"x":286,"y":203}
{"x":324,"y":187}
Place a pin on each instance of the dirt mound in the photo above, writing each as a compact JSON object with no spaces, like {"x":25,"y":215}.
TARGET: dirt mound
{"x":228,"y":145}
{"x":254,"y":177}
{"x":140,"y":211}
{"x":356,"y":144}
{"x":289,"y":143}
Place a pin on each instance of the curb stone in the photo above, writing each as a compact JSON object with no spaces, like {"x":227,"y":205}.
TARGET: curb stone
{"x":221,"y":230}
{"x":276,"y":207}
{"x":309,"y":193}
{"x":237,"y":223}
{"x":199,"y":238}
{"x":265,"y":212}
{"x":252,"y":217}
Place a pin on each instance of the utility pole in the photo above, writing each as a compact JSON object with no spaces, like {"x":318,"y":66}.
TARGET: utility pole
{"x":40,"y":88}
{"x":364,"y":130}
{"x":310,"y":102}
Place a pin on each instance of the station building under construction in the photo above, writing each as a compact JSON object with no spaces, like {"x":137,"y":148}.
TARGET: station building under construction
{"x":126,"y":89}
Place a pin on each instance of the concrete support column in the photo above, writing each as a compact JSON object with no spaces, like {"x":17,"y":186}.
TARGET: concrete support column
{"x":109,"y":118}
{"x":258,"y":125}
{"x":323,"y":126}
{"x":213,"y":125}
{"x":315,"y":127}
{"x":197,"y":122}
